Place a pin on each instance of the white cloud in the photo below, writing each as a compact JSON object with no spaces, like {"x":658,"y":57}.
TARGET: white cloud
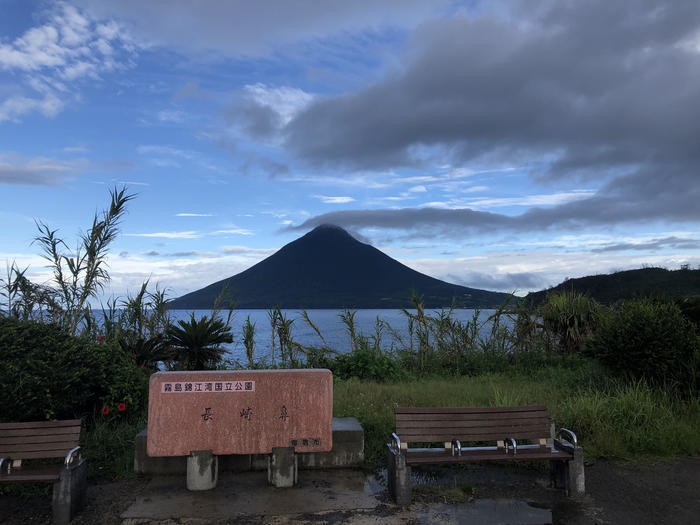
{"x":233,"y":231}
{"x":551,"y":199}
{"x":171,"y":115}
{"x":194,"y":215}
{"x":167,"y":235}
{"x":244,"y":250}
{"x":327,"y":199}
{"x":165,"y":150}
{"x":286,"y":102}
{"x":49,"y":58}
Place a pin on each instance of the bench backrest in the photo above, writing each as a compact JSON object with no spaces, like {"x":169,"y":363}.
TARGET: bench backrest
{"x":471,"y":424}
{"x":40,"y":439}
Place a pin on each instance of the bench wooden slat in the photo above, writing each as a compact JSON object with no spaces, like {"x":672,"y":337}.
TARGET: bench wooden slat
{"x":457,"y":428}
{"x":454,"y":416}
{"x":73,"y":436}
{"x":468,"y":410}
{"x":470,"y":457}
{"x":21,"y":432}
{"x":41,"y":454}
{"x":19,"y":448}
{"x":466,"y":425}
{"x":38,"y":474}
{"x":41,"y":424}
{"x":434,"y":438}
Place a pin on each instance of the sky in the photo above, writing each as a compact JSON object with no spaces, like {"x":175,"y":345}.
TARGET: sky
{"x":497,"y":145}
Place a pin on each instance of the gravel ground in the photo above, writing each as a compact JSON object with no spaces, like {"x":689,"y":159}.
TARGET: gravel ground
{"x":638,"y":493}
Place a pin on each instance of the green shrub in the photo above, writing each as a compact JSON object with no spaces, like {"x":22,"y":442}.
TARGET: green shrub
{"x":649,"y":339}
{"x":365,"y":363}
{"x":569,"y":319}
{"x":48,"y":374}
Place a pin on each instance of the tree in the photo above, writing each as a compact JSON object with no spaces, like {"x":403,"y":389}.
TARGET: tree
{"x":197,"y":344}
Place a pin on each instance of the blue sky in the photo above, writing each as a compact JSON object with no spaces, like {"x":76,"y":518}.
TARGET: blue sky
{"x":498,"y":145}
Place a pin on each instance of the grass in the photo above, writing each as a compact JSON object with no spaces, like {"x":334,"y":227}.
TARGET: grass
{"x":612,"y":419}
{"x":108,"y":445}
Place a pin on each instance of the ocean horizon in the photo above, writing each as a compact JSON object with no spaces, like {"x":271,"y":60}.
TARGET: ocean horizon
{"x":328,"y":322}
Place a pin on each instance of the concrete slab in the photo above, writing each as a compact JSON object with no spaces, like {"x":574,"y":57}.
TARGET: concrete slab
{"x":248,"y":494}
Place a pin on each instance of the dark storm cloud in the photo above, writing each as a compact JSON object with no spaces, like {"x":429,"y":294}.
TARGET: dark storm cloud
{"x":36,"y":172}
{"x":674,"y":243}
{"x":600,"y":84}
{"x":591,"y":90}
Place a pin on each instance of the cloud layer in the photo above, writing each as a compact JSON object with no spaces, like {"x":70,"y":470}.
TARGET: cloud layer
{"x":603,"y":92}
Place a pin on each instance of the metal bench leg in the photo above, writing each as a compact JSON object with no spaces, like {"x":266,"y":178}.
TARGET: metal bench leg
{"x":399,"y":478}
{"x":70,"y":491}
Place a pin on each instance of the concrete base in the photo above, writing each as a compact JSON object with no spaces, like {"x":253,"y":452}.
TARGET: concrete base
{"x":282,"y":467}
{"x":202,"y":470}
{"x":69,"y":491}
{"x":348,"y":451}
{"x":569,"y":475}
{"x":247,"y":498}
{"x":398,"y":477}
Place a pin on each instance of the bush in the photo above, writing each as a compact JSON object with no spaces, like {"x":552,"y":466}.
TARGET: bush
{"x":365,"y":363}
{"x":48,"y":374}
{"x":569,"y":319}
{"x":649,"y":339}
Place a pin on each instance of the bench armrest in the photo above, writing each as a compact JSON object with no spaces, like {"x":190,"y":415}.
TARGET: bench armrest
{"x":9,"y":465}
{"x":456,"y":445}
{"x":513,"y":443}
{"x":395,"y":444}
{"x":71,"y":453}
{"x":574,"y":440}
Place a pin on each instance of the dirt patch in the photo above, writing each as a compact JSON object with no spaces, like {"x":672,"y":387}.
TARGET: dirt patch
{"x":635,"y":493}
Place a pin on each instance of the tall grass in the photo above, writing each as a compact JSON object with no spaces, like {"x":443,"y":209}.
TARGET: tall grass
{"x":612,"y":419}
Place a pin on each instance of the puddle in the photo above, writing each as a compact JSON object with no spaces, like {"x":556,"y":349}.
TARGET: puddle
{"x":485,"y":512}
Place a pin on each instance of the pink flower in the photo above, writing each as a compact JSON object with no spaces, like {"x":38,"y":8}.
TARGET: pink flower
{"x":104,"y":411}
{"x":100,"y":338}
{"x":121,"y":407}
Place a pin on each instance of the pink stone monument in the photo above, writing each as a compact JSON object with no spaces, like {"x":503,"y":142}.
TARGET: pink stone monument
{"x":239,"y":412}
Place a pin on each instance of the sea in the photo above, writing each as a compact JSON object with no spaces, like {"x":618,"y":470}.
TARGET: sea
{"x":328,"y":322}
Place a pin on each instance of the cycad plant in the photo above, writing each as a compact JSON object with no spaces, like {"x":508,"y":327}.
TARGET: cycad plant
{"x":197,"y":344}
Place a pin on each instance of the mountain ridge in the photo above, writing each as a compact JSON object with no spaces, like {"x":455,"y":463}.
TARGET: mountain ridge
{"x":628,"y":284}
{"x":328,"y":268}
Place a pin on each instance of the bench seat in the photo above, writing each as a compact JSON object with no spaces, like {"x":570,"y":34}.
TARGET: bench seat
{"x":426,"y":456}
{"x":23,"y":442}
{"x":519,"y":433}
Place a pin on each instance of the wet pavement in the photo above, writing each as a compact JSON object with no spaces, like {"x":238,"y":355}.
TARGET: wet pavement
{"x":618,"y":493}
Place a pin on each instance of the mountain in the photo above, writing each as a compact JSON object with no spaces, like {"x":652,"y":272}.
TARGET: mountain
{"x":629,"y":284}
{"x":328,"y":268}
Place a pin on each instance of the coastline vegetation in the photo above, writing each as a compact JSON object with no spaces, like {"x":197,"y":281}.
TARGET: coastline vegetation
{"x":626,"y":377}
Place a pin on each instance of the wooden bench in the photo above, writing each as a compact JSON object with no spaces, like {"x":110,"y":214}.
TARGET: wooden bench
{"x":481,"y":434}
{"x":42,"y":440}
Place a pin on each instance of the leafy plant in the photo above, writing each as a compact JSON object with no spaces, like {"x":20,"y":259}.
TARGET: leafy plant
{"x":649,"y":339}
{"x":569,"y":319}
{"x":197,"y":344}
{"x":48,"y":374}
{"x":249,"y":341}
